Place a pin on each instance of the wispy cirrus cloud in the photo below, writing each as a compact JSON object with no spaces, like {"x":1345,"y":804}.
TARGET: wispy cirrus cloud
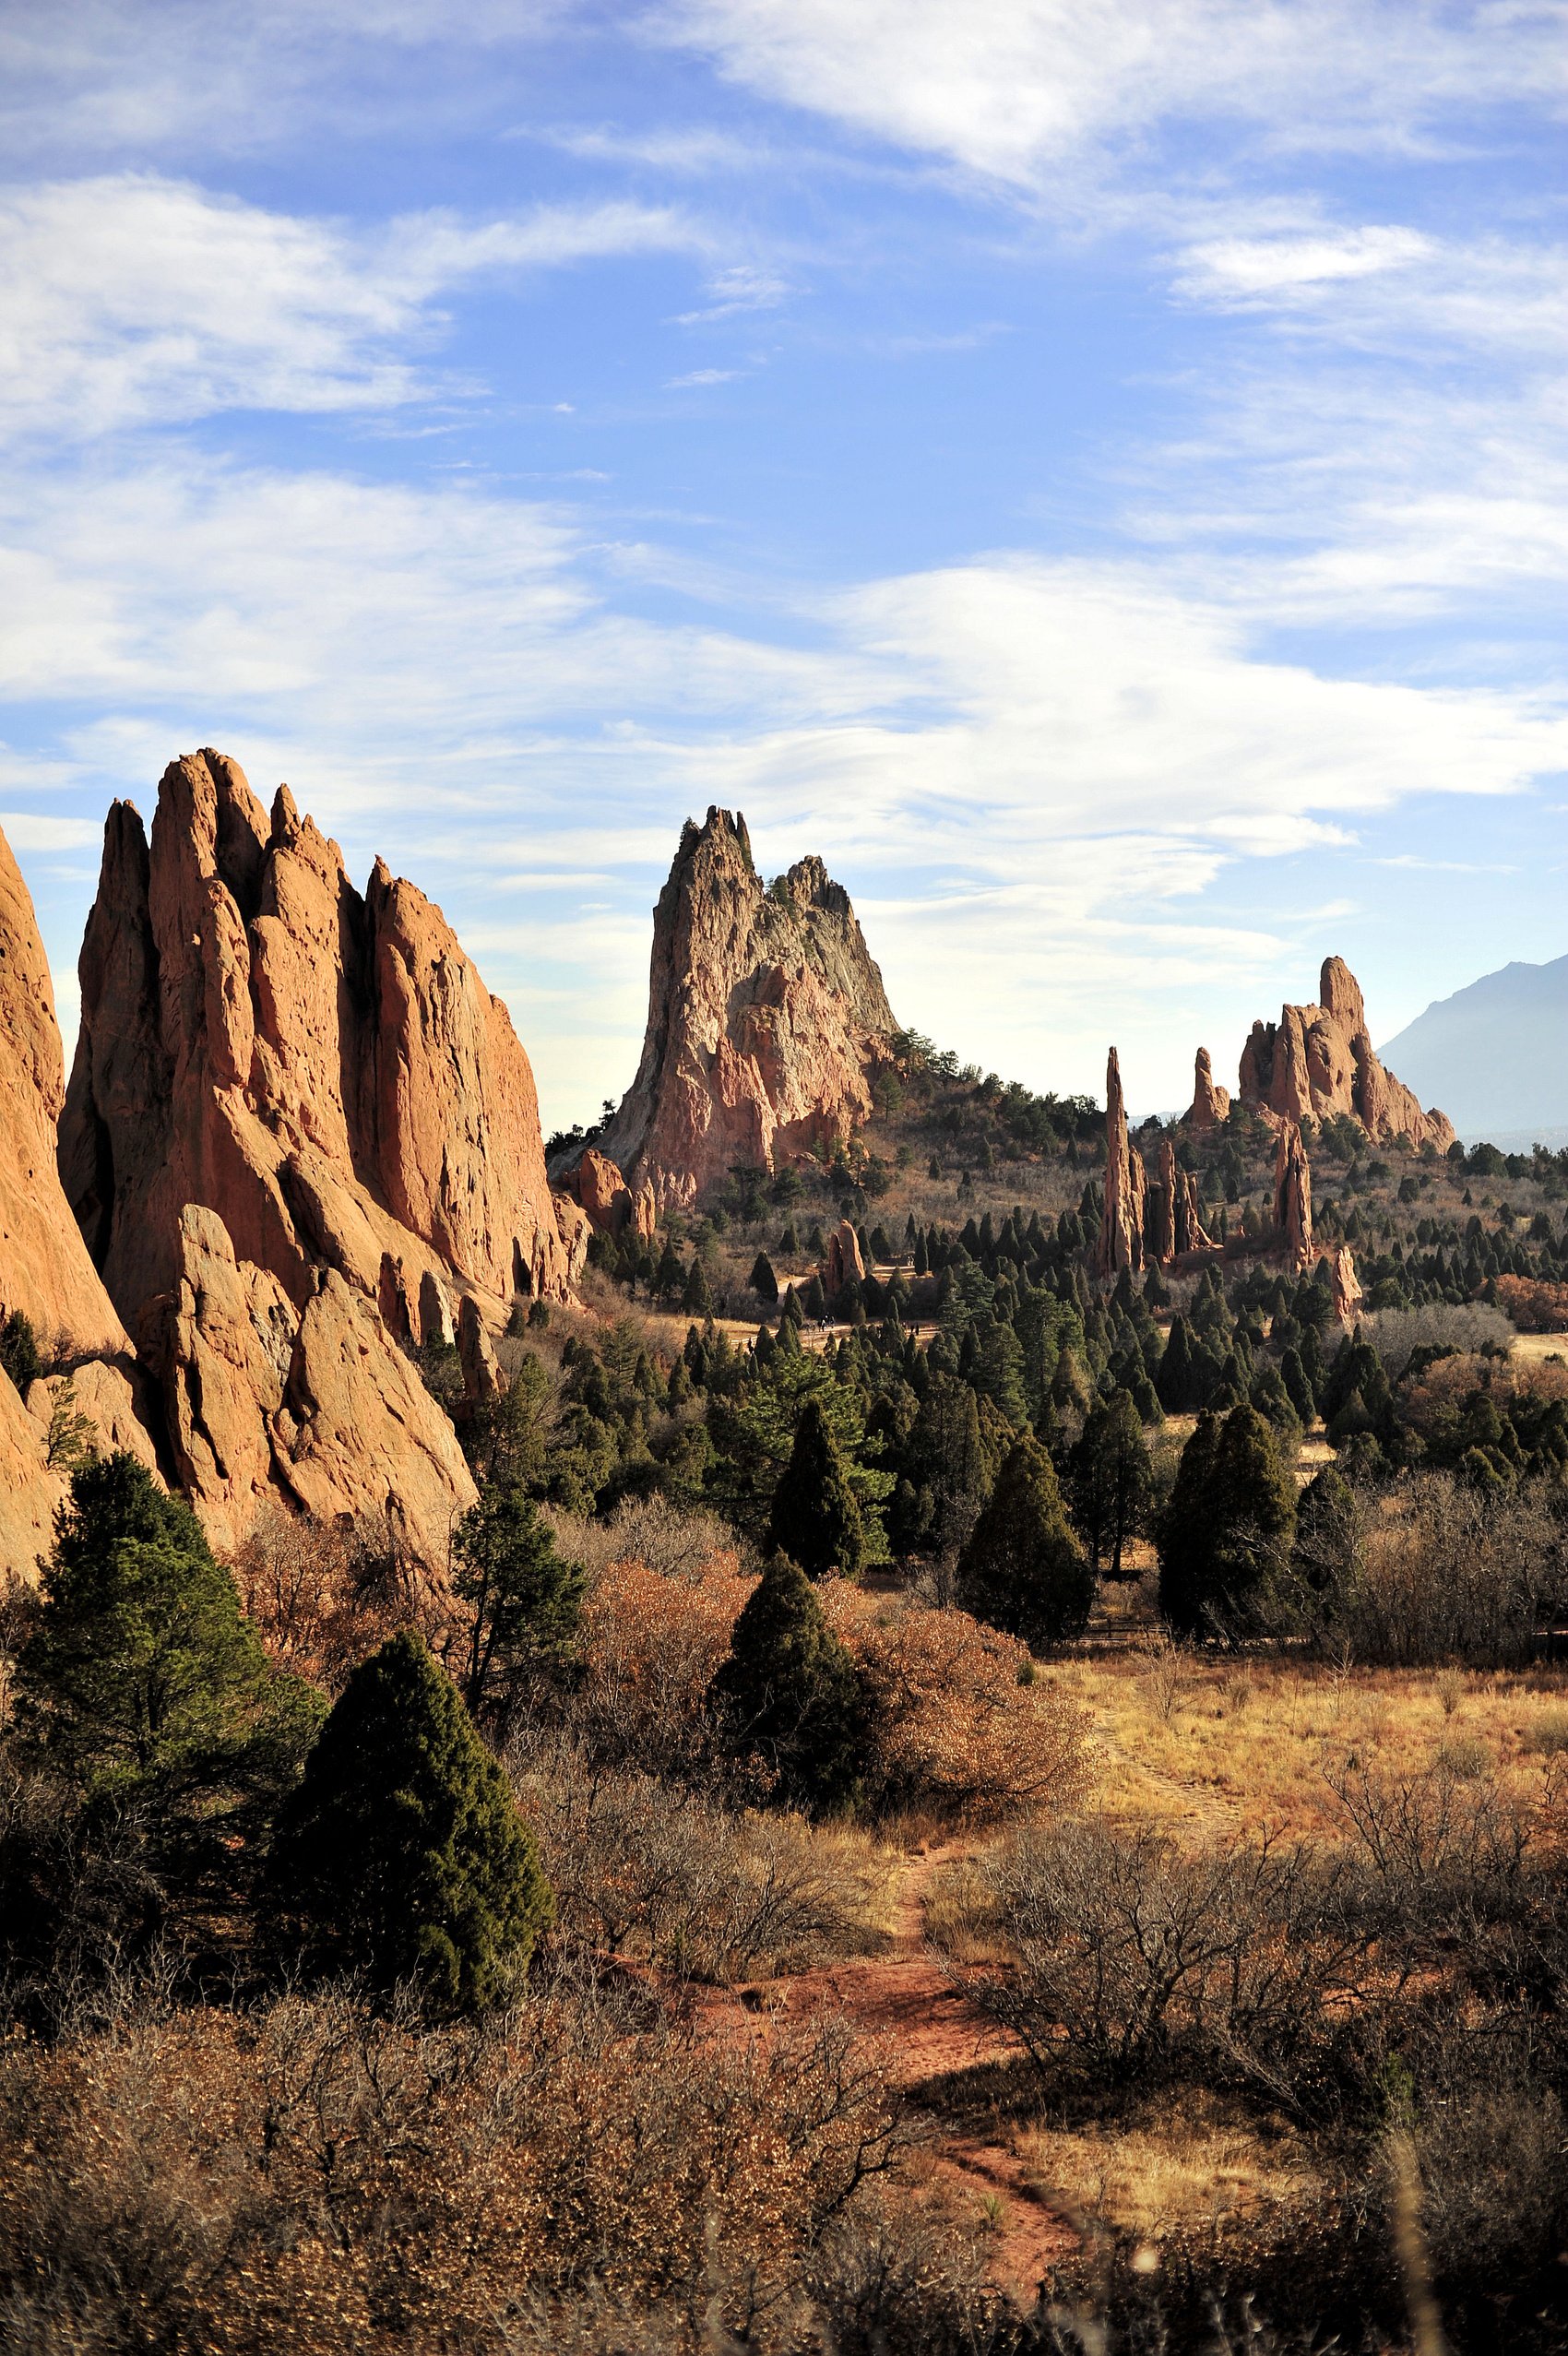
{"x":135,"y":298}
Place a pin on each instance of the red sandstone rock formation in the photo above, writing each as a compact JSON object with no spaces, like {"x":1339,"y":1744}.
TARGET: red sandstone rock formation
{"x":1120,"y":1242}
{"x":319,"y":1408}
{"x":1210,"y":1105}
{"x":844,"y":1259}
{"x":44,"y":1268}
{"x":327,"y":1072}
{"x":766,"y":1019}
{"x":1345,"y":1283}
{"x":600,"y":1189}
{"x":1172,"y":1221}
{"x":1293,"y":1198}
{"x":1318,"y":1061}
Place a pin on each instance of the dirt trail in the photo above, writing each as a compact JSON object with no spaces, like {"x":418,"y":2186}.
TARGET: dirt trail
{"x":933,"y":2033}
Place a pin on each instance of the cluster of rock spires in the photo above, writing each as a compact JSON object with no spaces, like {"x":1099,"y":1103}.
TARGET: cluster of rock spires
{"x":301,"y":1135}
{"x":299,"y":1131}
{"x":1155,"y":1222}
{"x":1315,"y":1063}
{"x":767,"y":1022}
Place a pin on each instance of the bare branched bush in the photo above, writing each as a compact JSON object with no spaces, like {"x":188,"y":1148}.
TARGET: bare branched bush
{"x":650,"y":1646}
{"x":315,"y":2177}
{"x":667,"y":1875}
{"x":675,"y":1541}
{"x":320,"y":1597}
{"x":1130,"y":1956}
{"x":1467,"y":1325}
{"x":1449,"y":1574}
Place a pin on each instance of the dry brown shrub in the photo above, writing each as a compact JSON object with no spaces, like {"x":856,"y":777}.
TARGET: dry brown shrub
{"x":1533,"y":1304}
{"x":961,"y":1719}
{"x":319,"y":1598}
{"x":315,"y":2178}
{"x":650,"y":1646}
{"x":664,"y":1874}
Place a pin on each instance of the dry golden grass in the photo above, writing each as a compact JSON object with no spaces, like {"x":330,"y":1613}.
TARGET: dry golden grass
{"x":1187,"y":2166}
{"x":1202,"y":1745}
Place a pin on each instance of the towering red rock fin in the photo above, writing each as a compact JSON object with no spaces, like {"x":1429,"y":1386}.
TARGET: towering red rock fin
{"x":1120,"y":1243}
{"x":766,"y":1021}
{"x":1318,"y":1061}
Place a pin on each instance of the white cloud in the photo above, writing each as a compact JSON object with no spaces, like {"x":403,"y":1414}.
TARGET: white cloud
{"x":1012,"y":88}
{"x":1038,"y":770}
{"x":27,"y":831}
{"x":734,"y":291}
{"x":702,"y":376}
{"x":136,"y":298}
{"x":1240,"y":269}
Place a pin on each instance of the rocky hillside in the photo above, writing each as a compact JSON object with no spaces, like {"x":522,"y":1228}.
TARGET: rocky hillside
{"x":766,"y":1021}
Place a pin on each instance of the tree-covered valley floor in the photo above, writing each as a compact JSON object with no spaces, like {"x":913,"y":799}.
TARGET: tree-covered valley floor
{"x":991,"y":1778}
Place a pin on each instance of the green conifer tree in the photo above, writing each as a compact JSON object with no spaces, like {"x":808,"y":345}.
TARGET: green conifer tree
{"x":1226,"y":1533}
{"x":697,"y":1298}
{"x":523,"y":1598}
{"x":401,"y":1854}
{"x":1022,"y":1568}
{"x":789,"y":1694}
{"x":763,"y":1283}
{"x":1110,"y":1480}
{"x":816,"y":1518}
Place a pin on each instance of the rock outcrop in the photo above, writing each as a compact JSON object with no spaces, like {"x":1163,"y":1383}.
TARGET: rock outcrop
{"x":45,"y":1270}
{"x":844,"y":1261}
{"x":326,"y":1071}
{"x":1293,"y":1198}
{"x":1174,"y":1223}
{"x":319,"y":1408}
{"x":1318,"y":1061}
{"x":766,"y":1021}
{"x":1155,"y":1222}
{"x":1121,"y":1241}
{"x":1210,"y":1105}
{"x":598,"y":1187}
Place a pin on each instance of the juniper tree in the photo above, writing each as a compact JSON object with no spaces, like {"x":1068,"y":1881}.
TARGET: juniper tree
{"x":789,"y":1694}
{"x":1022,"y":1569}
{"x":1226,"y":1533}
{"x":816,"y":1518}
{"x":524,"y":1599}
{"x":1111,"y":1480}
{"x":401,"y":1855}
{"x":763,"y":1283}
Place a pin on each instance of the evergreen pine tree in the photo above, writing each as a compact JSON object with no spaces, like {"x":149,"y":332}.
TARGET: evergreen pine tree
{"x":401,"y":1854}
{"x":763,"y":1283}
{"x":696,"y":1297}
{"x":1226,"y":1530}
{"x":1174,"y":1380}
{"x":140,"y":1666}
{"x":816,"y":1518}
{"x":668,"y":1277}
{"x":1022,"y":1568}
{"x":1111,"y":1480}
{"x":524,"y":1599}
{"x":788,"y":1694}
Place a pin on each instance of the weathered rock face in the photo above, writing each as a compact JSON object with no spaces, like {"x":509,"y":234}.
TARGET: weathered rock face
{"x":1318,"y":1061}
{"x":327,"y":1072}
{"x":1172,"y":1221}
{"x":1210,"y":1105}
{"x":844,"y":1260}
{"x":319,"y":1408}
{"x":45,"y":1270}
{"x":1121,"y":1241}
{"x":1293,"y":1196}
{"x":1345,"y":1283}
{"x":766,"y":1021}
{"x":599,"y":1188}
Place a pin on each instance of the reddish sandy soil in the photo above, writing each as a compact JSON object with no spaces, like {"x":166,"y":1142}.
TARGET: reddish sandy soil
{"x":933,"y":2035}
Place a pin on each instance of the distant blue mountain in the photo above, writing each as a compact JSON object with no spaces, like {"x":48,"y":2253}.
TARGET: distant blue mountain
{"x":1495,"y":1056}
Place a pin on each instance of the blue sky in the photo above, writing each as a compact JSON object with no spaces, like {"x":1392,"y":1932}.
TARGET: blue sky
{"x":1097,"y":473}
